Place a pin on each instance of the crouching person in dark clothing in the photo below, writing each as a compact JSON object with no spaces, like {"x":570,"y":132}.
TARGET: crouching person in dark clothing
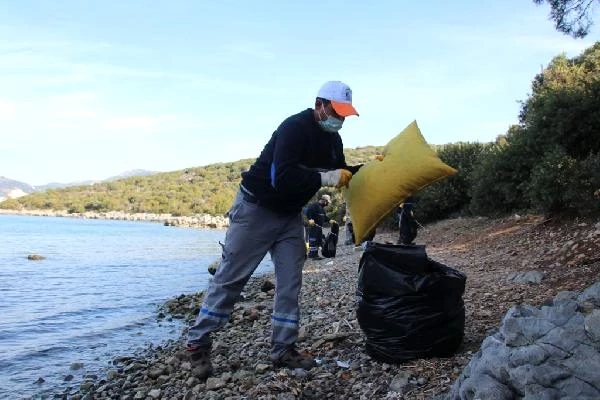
{"x":316,"y":216}
{"x":329,"y":248}
{"x":304,"y":154}
{"x":407,"y":223}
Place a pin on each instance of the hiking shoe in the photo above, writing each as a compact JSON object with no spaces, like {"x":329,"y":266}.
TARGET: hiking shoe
{"x":292,"y":359}
{"x":200,"y":360}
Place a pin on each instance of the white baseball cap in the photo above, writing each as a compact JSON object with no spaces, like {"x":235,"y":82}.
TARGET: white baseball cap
{"x":340,"y":96}
{"x":326,"y":197}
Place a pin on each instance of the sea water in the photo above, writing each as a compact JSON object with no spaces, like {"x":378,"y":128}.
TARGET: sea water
{"x":93,"y":297}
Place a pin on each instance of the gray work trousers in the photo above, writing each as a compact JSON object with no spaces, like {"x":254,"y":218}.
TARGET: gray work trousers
{"x":253,"y":231}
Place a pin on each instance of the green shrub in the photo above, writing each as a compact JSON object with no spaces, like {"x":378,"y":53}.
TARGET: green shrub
{"x":564,"y":107}
{"x":496,"y":182}
{"x":96,"y":205}
{"x":560,"y":183}
{"x":11,"y":204}
{"x":584,"y":192}
{"x":451,"y":195}
{"x":75,"y":208}
{"x":549,"y":181}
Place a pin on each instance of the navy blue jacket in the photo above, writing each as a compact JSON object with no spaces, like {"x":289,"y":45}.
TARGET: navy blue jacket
{"x":317,"y":213}
{"x":286,"y":174}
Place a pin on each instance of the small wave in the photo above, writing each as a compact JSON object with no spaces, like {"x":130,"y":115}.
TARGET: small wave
{"x":27,"y":355}
{"x":59,"y":319}
{"x":86,"y":339}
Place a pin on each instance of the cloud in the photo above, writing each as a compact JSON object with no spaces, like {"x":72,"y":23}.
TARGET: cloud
{"x":73,"y":97}
{"x":553,"y":43}
{"x":83,"y":117}
{"x":7,"y":110}
{"x":246,"y":48}
{"x":137,"y":122}
{"x":56,"y":63}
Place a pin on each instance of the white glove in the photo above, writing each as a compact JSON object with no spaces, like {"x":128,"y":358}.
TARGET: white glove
{"x":336,"y":177}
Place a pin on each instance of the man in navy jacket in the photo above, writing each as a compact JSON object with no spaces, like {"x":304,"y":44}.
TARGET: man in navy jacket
{"x":316,"y":216}
{"x":304,"y":154}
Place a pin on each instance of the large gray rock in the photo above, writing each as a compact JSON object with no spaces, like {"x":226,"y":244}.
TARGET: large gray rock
{"x":534,"y":277}
{"x":552,"y":352}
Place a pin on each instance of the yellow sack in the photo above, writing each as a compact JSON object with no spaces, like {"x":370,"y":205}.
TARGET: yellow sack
{"x":409,"y":165}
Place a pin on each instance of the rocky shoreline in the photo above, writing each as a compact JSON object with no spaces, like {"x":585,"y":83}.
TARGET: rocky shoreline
{"x":206,"y":221}
{"x":492,"y":253}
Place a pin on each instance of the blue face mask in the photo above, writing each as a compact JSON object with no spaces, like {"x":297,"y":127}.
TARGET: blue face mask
{"x":330,"y":124}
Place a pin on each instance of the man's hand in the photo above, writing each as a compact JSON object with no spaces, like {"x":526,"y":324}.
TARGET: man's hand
{"x":311,"y":222}
{"x":337,"y":178}
{"x":344,"y":178}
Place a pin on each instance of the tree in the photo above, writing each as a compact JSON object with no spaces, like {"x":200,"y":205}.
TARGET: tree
{"x":571,"y":17}
{"x":564,"y":107}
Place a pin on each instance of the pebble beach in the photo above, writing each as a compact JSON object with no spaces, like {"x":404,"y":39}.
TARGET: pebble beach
{"x":330,"y":331}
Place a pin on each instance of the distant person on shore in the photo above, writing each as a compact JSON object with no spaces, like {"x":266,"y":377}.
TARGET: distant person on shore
{"x":407,"y":224}
{"x":316,"y":216}
{"x":304,"y":153}
{"x":349,"y":228}
{"x":329,"y":248}
{"x":349,"y":240}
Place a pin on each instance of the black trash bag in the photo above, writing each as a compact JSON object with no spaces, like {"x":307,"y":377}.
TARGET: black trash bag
{"x":409,"y":306}
{"x":330,"y":243}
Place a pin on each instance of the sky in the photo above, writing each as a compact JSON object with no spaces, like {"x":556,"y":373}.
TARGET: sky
{"x":90,"y":89}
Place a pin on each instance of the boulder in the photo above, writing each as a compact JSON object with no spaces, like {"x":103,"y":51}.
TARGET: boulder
{"x":549,"y":352}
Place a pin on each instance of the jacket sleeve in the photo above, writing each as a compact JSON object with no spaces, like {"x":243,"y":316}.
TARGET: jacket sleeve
{"x":287,"y":175}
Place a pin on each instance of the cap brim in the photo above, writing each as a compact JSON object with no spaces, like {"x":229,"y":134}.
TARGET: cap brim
{"x":343,"y":109}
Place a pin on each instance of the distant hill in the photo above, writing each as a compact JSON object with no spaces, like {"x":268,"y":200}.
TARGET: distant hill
{"x":59,"y":185}
{"x":130,"y":173}
{"x":9,"y":188}
{"x":122,"y":175}
{"x":208,"y":189}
